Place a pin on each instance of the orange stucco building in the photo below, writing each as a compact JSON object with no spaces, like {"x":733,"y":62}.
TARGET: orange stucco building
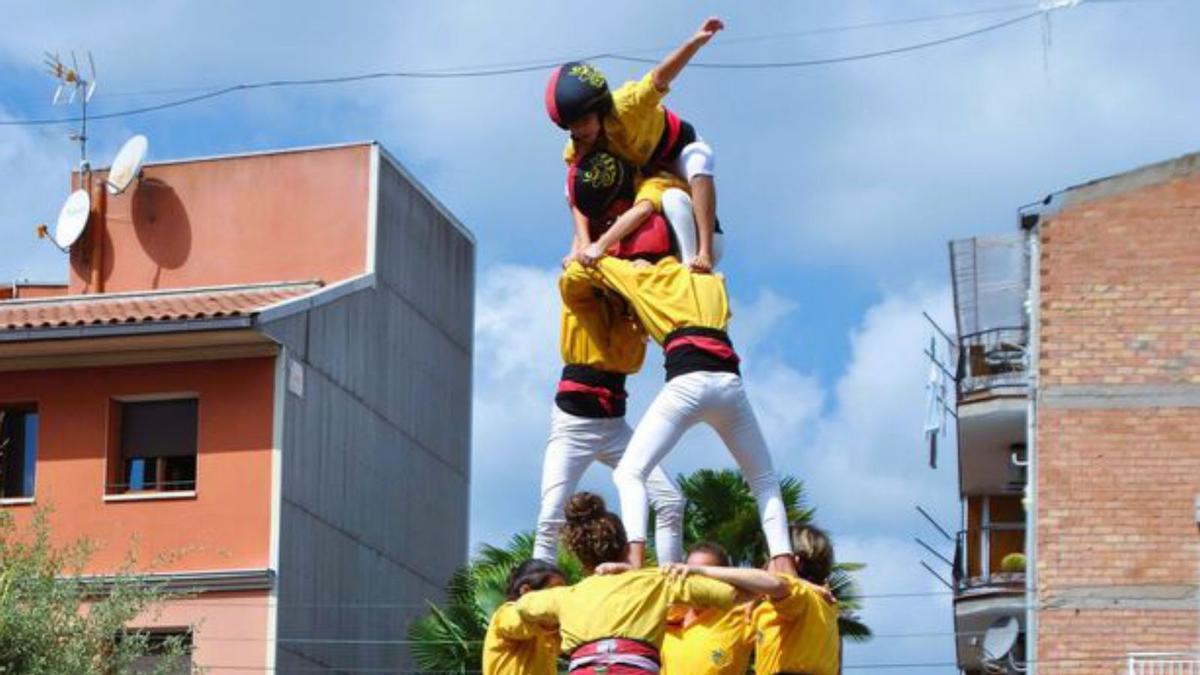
{"x":264,"y":394}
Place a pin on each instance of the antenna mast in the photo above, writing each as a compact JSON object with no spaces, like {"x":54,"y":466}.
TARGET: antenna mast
{"x":75,"y":86}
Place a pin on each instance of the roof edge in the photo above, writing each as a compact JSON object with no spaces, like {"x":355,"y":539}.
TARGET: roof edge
{"x":251,"y":153}
{"x":163,"y":291}
{"x":1108,"y":186}
{"x":424,"y":192}
{"x":318,"y":298}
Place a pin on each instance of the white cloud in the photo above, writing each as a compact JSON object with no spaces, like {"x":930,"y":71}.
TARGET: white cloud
{"x":866,"y":467}
{"x":516,"y":366}
{"x":34,"y":181}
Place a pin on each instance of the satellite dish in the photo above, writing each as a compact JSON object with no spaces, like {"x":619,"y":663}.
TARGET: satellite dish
{"x":72,"y":219}
{"x":128,"y":164}
{"x":1000,"y":639}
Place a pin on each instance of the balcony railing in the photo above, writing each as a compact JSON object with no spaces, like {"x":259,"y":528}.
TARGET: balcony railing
{"x":1157,"y":663}
{"x":991,"y":288}
{"x":975,"y":550}
{"x":996,"y":358}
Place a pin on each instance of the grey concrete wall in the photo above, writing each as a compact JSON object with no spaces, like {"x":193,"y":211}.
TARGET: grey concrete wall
{"x":376,"y":453}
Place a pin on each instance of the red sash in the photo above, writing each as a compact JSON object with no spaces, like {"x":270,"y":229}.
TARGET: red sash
{"x":614,"y":656}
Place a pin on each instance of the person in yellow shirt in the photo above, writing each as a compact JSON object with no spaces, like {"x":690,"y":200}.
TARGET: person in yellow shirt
{"x":512,"y":646}
{"x":708,"y":641}
{"x":688,"y":313}
{"x":647,"y":217}
{"x":798,"y":630}
{"x":632,"y":124}
{"x":600,"y":346}
{"x":614,"y":623}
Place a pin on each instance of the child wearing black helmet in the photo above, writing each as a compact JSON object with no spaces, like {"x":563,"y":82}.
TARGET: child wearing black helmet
{"x":632,"y":124}
{"x":629,"y":215}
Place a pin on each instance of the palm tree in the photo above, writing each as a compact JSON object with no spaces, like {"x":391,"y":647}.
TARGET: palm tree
{"x":449,"y":639}
{"x":721,"y":509}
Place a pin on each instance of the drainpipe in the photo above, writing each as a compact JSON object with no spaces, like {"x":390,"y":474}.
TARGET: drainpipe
{"x":97,"y":218}
{"x":1034,"y":312}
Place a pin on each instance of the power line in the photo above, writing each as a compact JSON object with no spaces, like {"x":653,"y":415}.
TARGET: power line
{"x":724,"y":41}
{"x":774,"y":65}
{"x":526,"y":67}
{"x":272,"y":84}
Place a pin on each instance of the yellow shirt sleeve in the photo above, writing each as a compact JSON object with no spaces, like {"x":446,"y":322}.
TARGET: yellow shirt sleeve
{"x":508,"y":624}
{"x":800,"y":598}
{"x":699,"y":591}
{"x":652,"y":189}
{"x":542,"y":607}
{"x":633,"y":102}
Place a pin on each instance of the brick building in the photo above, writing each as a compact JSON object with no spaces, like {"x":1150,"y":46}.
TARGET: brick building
{"x":260,"y":367}
{"x":1079,"y":398}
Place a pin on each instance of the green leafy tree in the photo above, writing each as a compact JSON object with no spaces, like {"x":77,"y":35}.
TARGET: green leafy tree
{"x":449,"y":639}
{"x":53,"y":621}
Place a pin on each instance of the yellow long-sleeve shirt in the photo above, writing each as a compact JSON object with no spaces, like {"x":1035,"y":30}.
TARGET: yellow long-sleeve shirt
{"x":666,"y":296}
{"x":631,"y":605}
{"x":516,"y":647}
{"x":715,"y":643}
{"x":595,"y":331}
{"x":798,"y":634}
{"x":634,"y":126}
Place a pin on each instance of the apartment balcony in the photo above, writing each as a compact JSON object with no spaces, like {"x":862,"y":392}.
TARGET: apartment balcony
{"x":1158,"y":663}
{"x":991,"y":287}
{"x":991,"y":446}
{"x":989,"y":587}
{"x":993,"y":363}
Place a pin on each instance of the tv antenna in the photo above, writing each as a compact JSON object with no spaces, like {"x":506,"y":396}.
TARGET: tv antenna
{"x":73,"y":86}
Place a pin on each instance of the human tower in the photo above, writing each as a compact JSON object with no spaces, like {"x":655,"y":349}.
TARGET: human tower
{"x":646,"y":241}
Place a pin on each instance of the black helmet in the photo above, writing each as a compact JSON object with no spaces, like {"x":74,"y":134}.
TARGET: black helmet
{"x":574,"y":90}
{"x":598,"y":181}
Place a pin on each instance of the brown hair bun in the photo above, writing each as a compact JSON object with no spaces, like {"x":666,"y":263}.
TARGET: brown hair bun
{"x":583,"y":507}
{"x":591,"y":532}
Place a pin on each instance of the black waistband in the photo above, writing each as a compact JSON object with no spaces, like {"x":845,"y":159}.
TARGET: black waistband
{"x":683,"y":357}
{"x":585,"y":404}
{"x":594,"y":377}
{"x":697,"y":331}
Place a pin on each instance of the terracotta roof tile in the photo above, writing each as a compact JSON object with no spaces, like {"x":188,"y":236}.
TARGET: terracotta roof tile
{"x":147,"y":307}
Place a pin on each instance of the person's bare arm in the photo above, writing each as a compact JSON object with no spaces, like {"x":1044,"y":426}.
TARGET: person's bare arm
{"x":580,"y":236}
{"x":623,"y":226}
{"x":751,"y":581}
{"x":670,"y":67}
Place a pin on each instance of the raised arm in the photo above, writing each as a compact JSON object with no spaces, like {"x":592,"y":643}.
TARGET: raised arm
{"x":670,"y":67}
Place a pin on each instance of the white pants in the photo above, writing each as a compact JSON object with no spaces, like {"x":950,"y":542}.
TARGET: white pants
{"x":696,"y":159}
{"x":575,"y":442}
{"x":719,"y":400}
{"x":677,"y":208}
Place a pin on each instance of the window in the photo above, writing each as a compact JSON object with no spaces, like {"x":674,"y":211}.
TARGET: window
{"x":18,"y":451}
{"x":156,"y":443}
{"x":162,"y":644}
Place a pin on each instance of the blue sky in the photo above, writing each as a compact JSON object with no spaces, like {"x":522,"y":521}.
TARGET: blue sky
{"x":839,"y":187}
